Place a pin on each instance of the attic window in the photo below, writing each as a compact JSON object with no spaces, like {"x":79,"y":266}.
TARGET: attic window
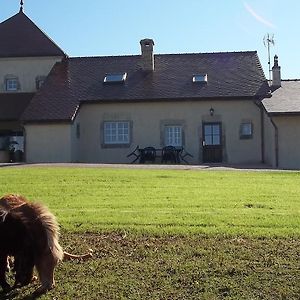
{"x":200,"y":78}
{"x":115,"y":78}
{"x":11,"y":83}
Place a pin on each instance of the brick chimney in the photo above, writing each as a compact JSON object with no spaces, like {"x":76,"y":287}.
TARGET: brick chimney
{"x":147,"y":54}
{"x":276,"y":74}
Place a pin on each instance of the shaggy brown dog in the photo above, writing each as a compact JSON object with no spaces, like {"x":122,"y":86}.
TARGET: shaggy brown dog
{"x":29,"y":232}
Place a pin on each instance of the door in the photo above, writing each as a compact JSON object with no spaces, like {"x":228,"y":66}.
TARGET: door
{"x":212,"y":142}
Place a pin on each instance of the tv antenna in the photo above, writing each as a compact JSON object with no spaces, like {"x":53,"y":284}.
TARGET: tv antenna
{"x":268,"y":41}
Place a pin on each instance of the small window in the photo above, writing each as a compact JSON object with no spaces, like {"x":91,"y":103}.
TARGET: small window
{"x":246,"y":130}
{"x":116,"y":132}
{"x":11,"y":84}
{"x":173,"y":136}
{"x":200,"y":78}
{"x":39,"y":81}
{"x":115,"y":78}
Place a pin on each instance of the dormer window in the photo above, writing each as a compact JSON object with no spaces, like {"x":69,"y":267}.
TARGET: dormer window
{"x":115,"y":78}
{"x":200,"y":78}
{"x":11,"y":84}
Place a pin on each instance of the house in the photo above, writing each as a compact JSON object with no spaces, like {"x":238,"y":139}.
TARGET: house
{"x":218,"y":106}
{"x":26,"y":57}
{"x":96,"y":109}
{"x":282,"y":122}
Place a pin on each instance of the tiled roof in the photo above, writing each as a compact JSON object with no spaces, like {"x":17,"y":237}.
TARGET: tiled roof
{"x":20,"y":37}
{"x":78,"y":80}
{"x":284,"y":100}
{"x":12,"y":105}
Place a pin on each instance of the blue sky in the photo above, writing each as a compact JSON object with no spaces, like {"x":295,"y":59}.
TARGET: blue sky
{"x":115,"y":27}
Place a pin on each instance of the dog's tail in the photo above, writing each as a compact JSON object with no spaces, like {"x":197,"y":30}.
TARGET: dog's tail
{"x":69,"y":256}
{"x":50,"y":225}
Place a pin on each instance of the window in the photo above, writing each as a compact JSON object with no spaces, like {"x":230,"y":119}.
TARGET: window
{"x":39,"y":81}
{"x":11,"y":84}
{"x":200,"y":78}
{"x":116,"y":132}
{"x":173,"y":135}
{"x":212,"y":134}
{"x":246,"y":130}
{"x":115,"y":78}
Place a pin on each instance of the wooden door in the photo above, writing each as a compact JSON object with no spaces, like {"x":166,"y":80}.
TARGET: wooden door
{"x":212,"y":142}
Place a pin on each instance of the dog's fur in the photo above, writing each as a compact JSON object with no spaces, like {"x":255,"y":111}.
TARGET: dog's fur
{"x":29,"y":232}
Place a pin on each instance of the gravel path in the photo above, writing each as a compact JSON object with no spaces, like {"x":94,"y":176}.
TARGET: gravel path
{"x":260,"y":167}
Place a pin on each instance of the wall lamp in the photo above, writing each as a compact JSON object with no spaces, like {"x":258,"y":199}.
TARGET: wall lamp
{"x":211,"y":111}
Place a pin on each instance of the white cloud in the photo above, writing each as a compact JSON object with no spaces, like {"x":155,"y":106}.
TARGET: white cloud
{"x":257,"y":16}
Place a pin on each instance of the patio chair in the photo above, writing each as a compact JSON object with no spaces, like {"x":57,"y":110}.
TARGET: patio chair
{"x":183,"y":154}
{"x":136,"y":153}
{"x":147,"y":154}
{"x":169,"y":153}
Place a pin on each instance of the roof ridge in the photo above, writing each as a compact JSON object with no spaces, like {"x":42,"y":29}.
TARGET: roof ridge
{"x":105,"y":56}
{"x":210,"y":53}
{"x":161,"y":54}
{"x":42,"y":31}
{"x":291,"y":79}
{"x":10,"y":18}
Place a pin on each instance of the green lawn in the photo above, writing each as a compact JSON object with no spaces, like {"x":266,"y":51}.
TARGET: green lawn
{"x":169,"y":234}
{"x":163,"y":201}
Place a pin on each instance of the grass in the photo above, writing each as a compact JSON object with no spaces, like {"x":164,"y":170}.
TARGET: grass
{"x":164,"y":201}
{"x":177,"y":267}
{"x":169,"y":234}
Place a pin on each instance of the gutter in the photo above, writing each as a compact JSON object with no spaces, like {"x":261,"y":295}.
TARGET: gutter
{"x":168,"y":99}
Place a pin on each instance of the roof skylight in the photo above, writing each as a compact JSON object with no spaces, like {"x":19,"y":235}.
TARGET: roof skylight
{"x":115,"y":77}
{"x":200,"y":78}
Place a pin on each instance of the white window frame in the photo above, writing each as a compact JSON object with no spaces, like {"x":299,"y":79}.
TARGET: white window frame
{"x":200,"y":78}
{"x":116,"y":132}
{"x":116,"y":77}
{"x":11,"y":84}
{"x":246,"y":130}
{"x":173,"y":135}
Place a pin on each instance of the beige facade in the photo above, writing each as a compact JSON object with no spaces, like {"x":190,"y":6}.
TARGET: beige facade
{"x":288,"y":141}
{"x":48,"y":143}
{"x":28,"y":70}
{"x":26,"y":75}
{"x":270,"y":155}
{"x":147,"y":121}
{"x":82,"y":141}
{"x":282,"y":139}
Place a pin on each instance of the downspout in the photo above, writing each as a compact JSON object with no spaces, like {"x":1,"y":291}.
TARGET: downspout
{"x":262,"y":131}
{"x":276,"y":143}
{"x":276,"y":83}
{"x":25,"y":143}
{"x":276,"y":135}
